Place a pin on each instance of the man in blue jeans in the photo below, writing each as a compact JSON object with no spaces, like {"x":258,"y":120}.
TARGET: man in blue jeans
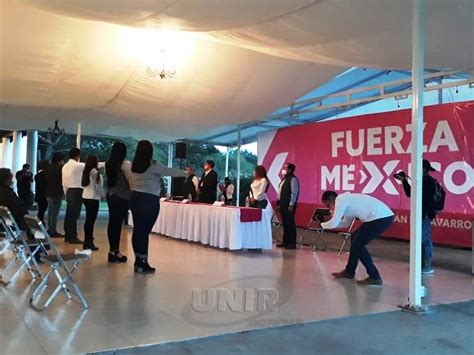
{"x":376,"y":218}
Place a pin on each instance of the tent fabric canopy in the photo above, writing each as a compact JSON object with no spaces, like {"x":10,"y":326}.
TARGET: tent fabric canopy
{"x":77,"y":60}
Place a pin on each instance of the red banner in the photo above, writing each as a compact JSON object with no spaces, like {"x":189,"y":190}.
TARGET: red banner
{"x":360,"y":154}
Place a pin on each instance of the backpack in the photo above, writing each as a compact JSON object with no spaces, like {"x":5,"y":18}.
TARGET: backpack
{"x":439,"y":197}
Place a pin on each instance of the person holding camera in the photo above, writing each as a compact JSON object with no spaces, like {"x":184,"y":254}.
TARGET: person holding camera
{"x":429,"y":191}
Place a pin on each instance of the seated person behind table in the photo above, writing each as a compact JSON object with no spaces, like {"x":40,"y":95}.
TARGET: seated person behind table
{"x":376,"y":218}
{"x":191,"y":184}
{"x":207,"y":192}
{"x":228,"y":192}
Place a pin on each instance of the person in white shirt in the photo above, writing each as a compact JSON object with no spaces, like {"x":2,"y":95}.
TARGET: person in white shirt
{"x":258,"y":188}
{"x":93,"y":192}
{"x":228,"y":191}
{"x":376,"y":218}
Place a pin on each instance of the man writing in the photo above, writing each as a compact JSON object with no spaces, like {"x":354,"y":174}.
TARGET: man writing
{"x":207,"y":192}
{"x":288,"y":193}
{"x":376,"y":218}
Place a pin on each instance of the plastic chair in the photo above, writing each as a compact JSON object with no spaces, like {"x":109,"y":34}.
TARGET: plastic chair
{"x":61,"y":265}
{"x":25,"y":250}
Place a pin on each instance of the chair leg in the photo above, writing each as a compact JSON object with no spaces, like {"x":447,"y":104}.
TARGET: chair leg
{"x":341,"y":249}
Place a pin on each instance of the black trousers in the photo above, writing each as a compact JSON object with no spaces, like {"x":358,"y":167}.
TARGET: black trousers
{"x":260,"y":204}
{"x":118,"y":210}
{"x":92,"y":209}
{"x":289,"y":226}
{"x":145,"y":209}
{"x":73,"y":213}
{"x":42,"y":207}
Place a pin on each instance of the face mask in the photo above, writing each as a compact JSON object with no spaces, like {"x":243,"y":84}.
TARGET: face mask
{"x":284,"y":172}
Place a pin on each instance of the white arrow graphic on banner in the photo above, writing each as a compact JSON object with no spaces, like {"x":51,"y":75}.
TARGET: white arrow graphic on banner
{"x":389,"y":168}
{"x":274,"y":170}
{"x":376,"y":177}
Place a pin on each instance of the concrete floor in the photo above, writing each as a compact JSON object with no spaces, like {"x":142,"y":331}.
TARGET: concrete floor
{"x":128,"y":310}
{"x":446,"y":330}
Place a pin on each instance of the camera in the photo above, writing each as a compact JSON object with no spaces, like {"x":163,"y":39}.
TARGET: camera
{"x":400,"y":175}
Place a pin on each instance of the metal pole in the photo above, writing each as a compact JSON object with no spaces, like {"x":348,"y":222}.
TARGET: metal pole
{"x":440,"y":92}
{"x":6,"y":153}
{"x":17,"y":152}
{"x":239,"y":144}
{"x":32,"y":150}
{"x":418,"y":38}
{"x":79,"y":134}
{"x":170,"y":165}
{"x":227,"y":162}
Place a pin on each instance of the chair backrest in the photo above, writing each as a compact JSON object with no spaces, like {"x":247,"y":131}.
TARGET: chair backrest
{"x":41,"y":235}
{"x":13,"y":232}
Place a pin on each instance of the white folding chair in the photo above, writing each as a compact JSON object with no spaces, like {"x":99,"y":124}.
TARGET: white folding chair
{"x":314,"y":226}
{"x":24,"y":250}
{"x":61,"y":265}
{"x":347,"y":237}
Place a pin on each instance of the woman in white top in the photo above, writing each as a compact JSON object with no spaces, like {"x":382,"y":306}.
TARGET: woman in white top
{"x":258,"y":188}
{"x":93,"y":192}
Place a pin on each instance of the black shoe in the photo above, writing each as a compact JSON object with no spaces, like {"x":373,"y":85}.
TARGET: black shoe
{"x":117,"y":258}
{"x":142,"y":267}
{"x":291,"y":247}
{"x":57,"y":235}
{"x":280,"y":245}
{"x":343,"y":275}
{"x":74,"y":241}
{"x":90,"y":246}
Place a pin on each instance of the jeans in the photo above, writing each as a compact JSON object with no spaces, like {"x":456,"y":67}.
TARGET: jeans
{"x":289,"y":226}
{"x":145,"y":209}
{"x":118,"y":210}
{"x":92,"y":209}
{"x":367,"y":232}
{"x":54,"y":204}
{"x":426,"y":243}
{"x":73,"y":213}
{"x":42,"y":207}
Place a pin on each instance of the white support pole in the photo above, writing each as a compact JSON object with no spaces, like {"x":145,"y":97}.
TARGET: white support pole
{"x":6,"y":153}
{"x":17,"y":152}
{"x":418,"y":38}
{"x":79,"y":135}
{"x":227,"y":162}
{"x":239,"y":145}
{"x":170,"y":165}
{"x":32,"y":150}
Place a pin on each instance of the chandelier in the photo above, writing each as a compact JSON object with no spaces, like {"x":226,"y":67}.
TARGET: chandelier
{"x":56,"y":129}
{"x":162,"y":67}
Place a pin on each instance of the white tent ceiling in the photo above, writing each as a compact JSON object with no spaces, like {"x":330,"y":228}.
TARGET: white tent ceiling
{"x":78,"y":60}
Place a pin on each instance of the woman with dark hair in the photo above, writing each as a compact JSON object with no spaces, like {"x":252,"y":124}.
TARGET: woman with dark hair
{"x":145,"y":201}
{"x":93,"y":192}
{"x":259,"y":188}
{"x":40,"y":189}
{"x":117,"y":172}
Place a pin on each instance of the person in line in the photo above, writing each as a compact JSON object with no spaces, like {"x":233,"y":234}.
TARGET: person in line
{"x":376,"y":218}
{"x":71,"y":177}
{"x":428,"y":213}
{"x":259,"y":188}
{"x":288,"y":194}
{"x":228,"y":192}
{"x":191,"y":185}
{"x":10,"y":199}
{"x":117,"y":171}
{"x":145,"y":201}
{"x":24,"y":178}
{"x":92,"y":194}
{"x":54,"y":192}
{"x":40,"y":189}
{"x":207,"y":192}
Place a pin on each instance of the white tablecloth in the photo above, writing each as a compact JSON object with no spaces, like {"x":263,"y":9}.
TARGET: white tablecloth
{"x":212,"y":225}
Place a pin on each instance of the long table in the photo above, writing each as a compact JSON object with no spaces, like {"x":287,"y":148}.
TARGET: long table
{"x":218,"y":226}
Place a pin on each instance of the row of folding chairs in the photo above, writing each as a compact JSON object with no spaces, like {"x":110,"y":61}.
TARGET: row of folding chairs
{"x":314,"y":233}
{"x":26,"y":254}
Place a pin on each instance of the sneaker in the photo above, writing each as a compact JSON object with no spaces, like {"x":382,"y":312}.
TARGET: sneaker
{"x":370,"y":282}
{"x":343,"y":275}
{"x":427,"y":271}
{"x":117,"y":258}
{"x":142,"y":267}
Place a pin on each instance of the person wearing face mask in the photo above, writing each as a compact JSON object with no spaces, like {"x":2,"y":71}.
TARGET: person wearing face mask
{"x":288,"y":193}
{"x":207,"y":191}
{"x":191,"y":184}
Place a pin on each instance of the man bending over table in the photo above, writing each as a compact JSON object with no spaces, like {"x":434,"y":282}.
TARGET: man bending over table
{"x":376,"y":218}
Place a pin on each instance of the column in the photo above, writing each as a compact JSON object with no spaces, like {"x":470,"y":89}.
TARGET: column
{"x":227,"y":161}
{"x":79,"y":135}
{"x":170,"y":165}
{"x":7,"y":147}
{"x":17,"y":155}
{"x":239,"y":145}
{"x":32,"y":150}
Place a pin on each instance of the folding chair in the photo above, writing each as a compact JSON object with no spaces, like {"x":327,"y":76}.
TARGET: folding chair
{"x":277,"y":228}
{"x":25,"y":250}
{"x":347,"y":236}
{"x":62,"y":266}
{"x":314,"y":226}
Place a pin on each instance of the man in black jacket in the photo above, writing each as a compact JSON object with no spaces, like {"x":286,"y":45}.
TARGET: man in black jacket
{"x":207,"y":192}
{"x":428,"y":213}
{"x":288,"y":193}
{"x":24,"y":178}
{"x":54,"y":192}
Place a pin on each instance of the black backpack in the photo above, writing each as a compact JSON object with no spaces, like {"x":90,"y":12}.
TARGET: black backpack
{"x":439,"y":197}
